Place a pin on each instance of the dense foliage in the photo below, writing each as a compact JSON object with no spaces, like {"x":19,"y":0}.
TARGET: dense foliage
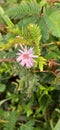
{"x":30,"y":97}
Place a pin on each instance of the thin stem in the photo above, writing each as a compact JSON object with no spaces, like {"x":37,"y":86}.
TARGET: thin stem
{"x":3,"y":121}
{"x":46,"y":71}
{"x":8,"y":60}
{"x":48,"y":44}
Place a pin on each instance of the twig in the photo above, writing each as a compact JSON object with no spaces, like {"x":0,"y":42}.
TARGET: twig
{"x":3,"y":121}
{"x":52,"y":43}
{"x":48,"y":44}
{"x":8,"y":60}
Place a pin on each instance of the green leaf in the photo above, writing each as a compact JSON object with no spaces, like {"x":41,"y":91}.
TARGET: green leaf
{"x":44,"y":28}
{"x":27,"y":126}
{"x":29,"y":112}
{"x":52,"y":19}
{"x":42,"y":62}
{"x":1,"y":102}
{"x":35,"y":32}
{"x":6,"y":18}
{"x":22,"y":10}
{"x":2,"y":87}
{"x":57,"y":127}
{"x":35,"y":35}
{"x":12,"y":117}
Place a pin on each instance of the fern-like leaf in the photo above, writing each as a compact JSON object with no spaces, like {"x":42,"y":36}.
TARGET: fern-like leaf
{"x":6,"y":18}
{"x":11,"y":120}
{"x":35,"y":35}
{"x":23,"y":10}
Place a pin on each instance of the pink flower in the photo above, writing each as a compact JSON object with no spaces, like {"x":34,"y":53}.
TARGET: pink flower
{"x":26,"y":57}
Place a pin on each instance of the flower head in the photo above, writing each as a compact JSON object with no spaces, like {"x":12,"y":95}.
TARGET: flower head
{"x":26,"y":57}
